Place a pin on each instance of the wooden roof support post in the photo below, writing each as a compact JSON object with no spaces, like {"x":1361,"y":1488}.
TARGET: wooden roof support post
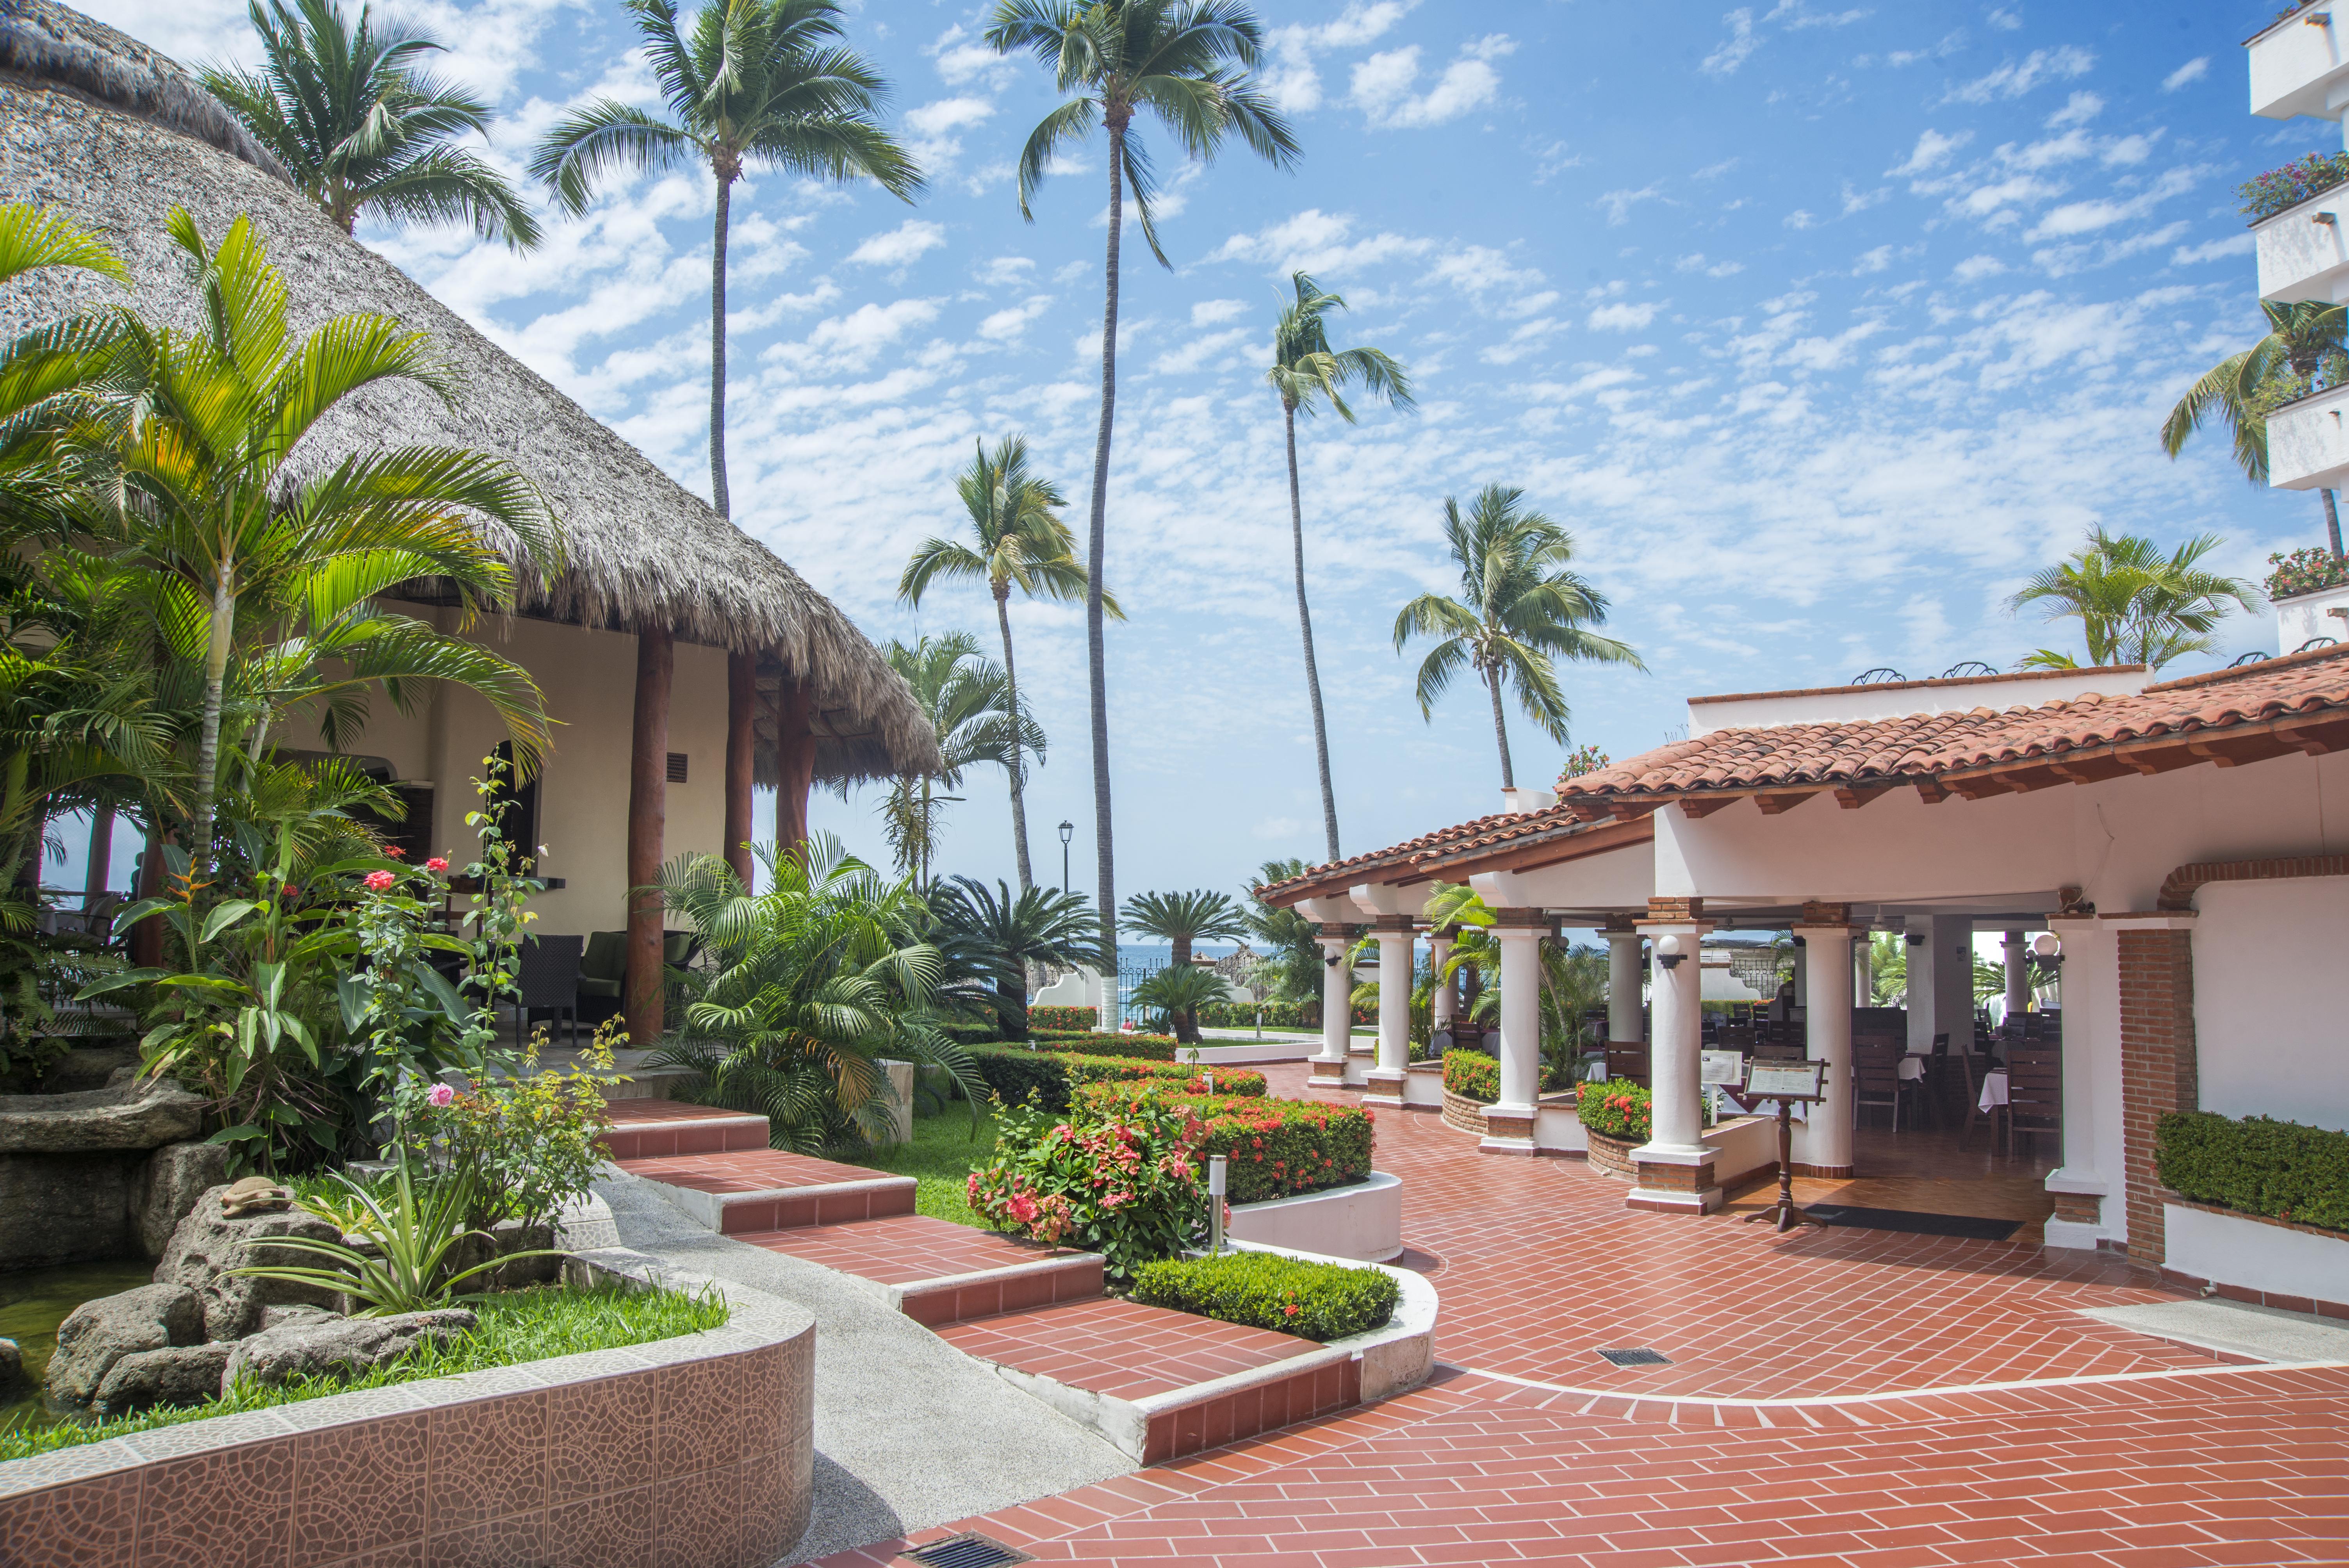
{"x":741,"y":750}
{"x":648,"y":817}
{"x":794,"y":760}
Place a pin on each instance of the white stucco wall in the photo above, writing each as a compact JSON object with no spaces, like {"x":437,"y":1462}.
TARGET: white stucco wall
{"x":2270,"y":998}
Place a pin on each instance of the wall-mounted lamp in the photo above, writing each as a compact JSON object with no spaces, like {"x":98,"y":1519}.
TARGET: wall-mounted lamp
{"x":2327,"y":219}
{"x":1668,"y":953}
{"x":1916,"y":939}
{"x":1330,"y":962}
{"x":1801,"y":942}
{"x":2046,"y":950}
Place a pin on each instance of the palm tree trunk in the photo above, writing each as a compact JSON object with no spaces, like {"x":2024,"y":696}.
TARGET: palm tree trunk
{"x":1305,"y":627}
{"x":2331,"y":524}
{"x":1500,"y":729}
{"x":718,"y":496}
{"x":1011,"y":695}
{"x":1096,"y":672}
{"x":208,"y":741}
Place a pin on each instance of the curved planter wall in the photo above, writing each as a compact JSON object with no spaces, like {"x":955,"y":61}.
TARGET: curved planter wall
{"x":697,"y":1450}
{"x":1611,"y":1156}
{"x":1463,"y":1114}
{"x":1362,"y":1222}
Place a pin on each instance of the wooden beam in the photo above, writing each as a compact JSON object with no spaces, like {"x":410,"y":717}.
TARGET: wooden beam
{"x":1852,"y":796}
{"x":647,"y":815}
{"x":741,"y":752}
{"x":1782,"y":801}
{"x":1980,"y":787}
{"x":2236,"y":750}
{"x":1629,"y":810}
{"x":2152,"y":760}
{"x":2091,"y":770}
{"x":1702,"y":806}
{"x":2317,"y":738}
{"x":1931,"y":791}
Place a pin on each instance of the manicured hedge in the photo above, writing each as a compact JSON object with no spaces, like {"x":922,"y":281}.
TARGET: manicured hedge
{"x":1094,"y":1043}
{"x":1015,"y":1074}
{"x":2278,"y":1168}
{"x":1062,"y":1017}
{"x":1617,"y":1107}
{"x":1274,"y":1148}
{"x":1276,"y":1015}
{"x":1266,"y":1290}
{"x":1472,"y":1074}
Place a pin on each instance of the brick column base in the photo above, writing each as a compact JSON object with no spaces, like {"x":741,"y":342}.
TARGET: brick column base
{"x":1675,"y":1188}
{"x":2159,"y":1072}
{"x":2079,"y":1208}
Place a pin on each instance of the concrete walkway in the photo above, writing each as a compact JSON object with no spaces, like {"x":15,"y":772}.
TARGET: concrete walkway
{"x":909,"y":1431}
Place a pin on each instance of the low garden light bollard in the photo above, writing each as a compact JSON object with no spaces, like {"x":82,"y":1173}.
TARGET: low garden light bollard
{"x":1215,"y":1205}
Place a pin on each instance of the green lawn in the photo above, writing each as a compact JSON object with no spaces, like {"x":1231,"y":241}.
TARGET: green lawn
{"x":941,"y":1157}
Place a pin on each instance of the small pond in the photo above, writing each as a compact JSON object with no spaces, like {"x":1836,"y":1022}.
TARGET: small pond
{"x":32,"y":1302}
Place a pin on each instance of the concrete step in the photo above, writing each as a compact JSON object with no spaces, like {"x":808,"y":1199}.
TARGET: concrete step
{"x":659,"y":1129}
{"x":737,"y":1193}
{"x":937,"y":1272}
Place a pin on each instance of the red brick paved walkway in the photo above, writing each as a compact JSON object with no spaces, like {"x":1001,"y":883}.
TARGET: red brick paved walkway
{"x":1119,"y":1347}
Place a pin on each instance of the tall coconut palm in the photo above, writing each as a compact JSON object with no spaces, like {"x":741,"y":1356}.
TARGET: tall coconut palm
{"x":2304,"y":343}
{"x":362,"y":128}
{"x":2134,"y":605}
{"x":1521,"y":609}
{"x":967,"y":700}
{"x":760,"y":85}
{"x":1186,"y":62}
{"x":203,"y":504}
{"x":1307,"y":372}
{"x":1015,"y":515}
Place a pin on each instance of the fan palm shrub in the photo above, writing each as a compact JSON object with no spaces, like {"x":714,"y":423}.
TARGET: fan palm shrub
{"x":2305,"y":344}
{"x":809,"y":986}
{"x":1521,"y":609}
{"x":348,"y":109}
{"x":1184,"y":918}
{"x":1188,"y":63}
{"x":1179,"y":991}
{"x":2135,"y":606}
{"x":994,"y":938}
{"x":1020,"y":542}
{"x":1306,"y":374}
{"x":758,"y":83}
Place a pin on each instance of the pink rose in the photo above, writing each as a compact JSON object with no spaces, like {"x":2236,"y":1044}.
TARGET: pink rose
{"x":379,"y":881}
{"x":442,"y":1095}
{"x":436,"y":864}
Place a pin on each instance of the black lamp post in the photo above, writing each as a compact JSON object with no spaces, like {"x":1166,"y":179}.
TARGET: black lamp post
{"x":1068,"y":832}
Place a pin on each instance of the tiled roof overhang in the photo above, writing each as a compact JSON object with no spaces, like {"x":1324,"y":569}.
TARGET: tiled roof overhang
{"x":1515,"y":841}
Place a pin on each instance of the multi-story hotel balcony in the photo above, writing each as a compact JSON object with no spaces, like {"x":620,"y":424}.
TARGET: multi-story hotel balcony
{"x":2308,"y":443}
{"x":2300,"y":64}
{"x":2303,"y":252}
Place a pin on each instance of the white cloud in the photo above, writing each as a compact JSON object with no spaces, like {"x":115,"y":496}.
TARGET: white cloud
{"x":868,"y":326}
{"x":1199,"y":351}
{"x":1383,"y":84}
{"x":1799,"y":219}
{"x":1859,"y":201}
{"x":1619,"y":203}
{"x":2004,"y":20}
{"x":2087,"y":217}
{"x":962,"y":55}
{"x":1002,"y":270}
{"x":2193,"y":70}
{"x":1214,"y":312}
{"x":1316,"y":242}
{"x":1974,"y":267}
{"x":1875,"y":260}
{"x":1696,"y":262}
{"x":2012,"y":81}
{"x":1622,"y":317}
{"x":1009,"y":323}
{"x":1477,"y":269}
{"x":1715,"y":171}
{"x":2211,"y":249}
{"x":2079,"y":110}
{"x":945,"y":114}
{"x":1289,"y":75}
{"x":1932,"y":150}
{"x":1733,"y":50}
{"x":896,"y":247}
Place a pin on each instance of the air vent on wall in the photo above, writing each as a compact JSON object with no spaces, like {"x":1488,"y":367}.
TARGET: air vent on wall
{"x":676,"y":767}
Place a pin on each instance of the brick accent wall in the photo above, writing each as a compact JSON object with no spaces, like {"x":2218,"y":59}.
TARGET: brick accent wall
{"x":2158,"y":1067}
{"x":2079,"y":1208}
{"x":1675,"y":911}
{"x":2178,"y":889}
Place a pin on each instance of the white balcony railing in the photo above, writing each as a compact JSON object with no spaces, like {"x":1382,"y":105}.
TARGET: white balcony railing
{"x":2301,"y":64}
{"x":2304,"y":250}
{"x":2308,"y":443}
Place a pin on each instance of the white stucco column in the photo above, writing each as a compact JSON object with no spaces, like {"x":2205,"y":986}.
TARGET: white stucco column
{"x":1443,"y":1007}
{"x":1509,"y":1122}
{"x":2018,"y":974}
{"x":1863,"y":971}
{"x":1676,"y":1168}
{"x":2089,"y":1187}
{"x":1824,"y":1140}
{"x":1337,"y":1002}
{"x":1396,"y":944}
{"x":1626,"y":1025}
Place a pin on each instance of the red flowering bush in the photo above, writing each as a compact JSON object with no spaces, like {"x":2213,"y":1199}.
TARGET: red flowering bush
{"x":2305,"y":572}
{"x":1121,"y":1179}
{"x":1472,"y":1074}
{"x":1272,"y":1148}
{"x":1619,"y":1109}
{"x":1062,"y":1017}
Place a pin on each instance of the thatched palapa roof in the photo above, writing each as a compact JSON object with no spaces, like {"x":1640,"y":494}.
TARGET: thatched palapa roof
{"x":98,"y":126}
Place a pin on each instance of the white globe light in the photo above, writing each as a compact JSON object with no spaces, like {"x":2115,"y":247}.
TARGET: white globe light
{"x":1668,"y":946}
{"x":2046,"y":946}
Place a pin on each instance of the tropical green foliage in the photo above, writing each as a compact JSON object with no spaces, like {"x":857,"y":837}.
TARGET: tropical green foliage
{"x":1271,"y":1148}
{"x":2306,"y":347}
{"x":758,"y":85}
{"x":350,"y":112}
{"x":2135,"y":606}
{"x":1266,"y":1290}
{"x":1123,"y":1181}
{"x":1177,"y":993}
{"x":1050,"y":1076}
{"x":1520,"y":610}
{"x":967,"y":700}
{"x":994,"y":937}
{"x":811,"y":984}
{"x":2304,"y":571}
{"x":2282,"y":1169}
{"x":1293,"y":955}
{"x":1182,"y":919}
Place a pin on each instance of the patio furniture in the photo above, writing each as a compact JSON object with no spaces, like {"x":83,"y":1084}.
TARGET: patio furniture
{"x":548,"y":982}
{"x":1628,"y":1061}
{"x":1986,"y":1103}
{"x":2035,"y":1090}
{"x":602,"y":974}
{"x":1877,"y":1069}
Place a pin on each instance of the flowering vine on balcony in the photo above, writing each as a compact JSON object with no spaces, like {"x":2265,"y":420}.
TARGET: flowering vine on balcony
{"x":2305,"y":572}
{"x":2265,"y":195}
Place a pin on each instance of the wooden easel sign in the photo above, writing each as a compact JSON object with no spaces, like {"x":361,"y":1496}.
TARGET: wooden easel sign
{"x":1788,"y":1083}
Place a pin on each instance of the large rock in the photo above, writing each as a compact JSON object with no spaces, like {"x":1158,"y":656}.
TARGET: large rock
{"x":98,"y":1333}
{"x":169,"y":1189}
{"x":136,"y":1115}
{"x":12,"y":1366}
{"x":182,"y":1375}
{"x":343,"y":1347}
{"x":66,"y":1208}
{"x":206,"y":1243}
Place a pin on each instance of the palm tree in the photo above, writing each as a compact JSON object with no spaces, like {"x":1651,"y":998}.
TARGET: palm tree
{"x":1520,"y":610}
{"x":202,"y":506}
{"x":363,"y":130}
{"x":1188,"y":62}
{"x":996,"y":937}
{"x":1023,"y":543}
{"x":760,"y":85}
{"x":967,"y":700}
{"x":1307,"y":372}
{"x":1295,"y":958}
{"x":2134,"y":605}
{"x":1179,"y":991}
{"x":2304,"y":341}
{"x":1184,"y":918}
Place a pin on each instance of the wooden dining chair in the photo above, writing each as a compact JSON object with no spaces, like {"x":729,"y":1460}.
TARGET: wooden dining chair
{"x":1996,"y":1116}
{"x":2034,"y":1095}
{"x":1875,"y":1069}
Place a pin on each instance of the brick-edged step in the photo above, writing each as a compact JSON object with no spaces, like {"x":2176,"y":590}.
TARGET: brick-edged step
{"x":937,"y":1272}
{"x":660,"y":1129}
{"x":768,"y":1189}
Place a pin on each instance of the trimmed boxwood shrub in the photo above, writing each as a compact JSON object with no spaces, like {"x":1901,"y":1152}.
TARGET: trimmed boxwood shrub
{"x":2278,"y":1168}
{"x":1062,"y":1018}
{"x":1472,"y":1074}
{"x":1274,"y":1148}
{"x":1266,"y":1290}
{"x":1276,"y":1015}
{"x":1094,"y":1043}
{"x":1015,"y":1074}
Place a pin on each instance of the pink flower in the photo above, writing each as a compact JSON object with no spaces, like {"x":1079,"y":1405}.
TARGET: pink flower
{"x":442,"y":1095}
{"x":379,"y":881}
{"x":395,"y":851}
{"x":436,"y":864}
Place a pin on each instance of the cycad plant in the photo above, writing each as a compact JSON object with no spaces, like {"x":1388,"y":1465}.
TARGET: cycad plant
{"x":1181,"y":919}
{"x":1020,"y":542}
{"x":759,"y":85}
{"x":2135,"y":606}
{"x":2304,"y":346}
{"x":1521,"y":609}
{"x":347,"y":108}
{"x":1186,"y":62}
{"x":1307,"y":374}
{"x":994,"y":938}
{"x":1178,"y":992}
{"x":968,"y":702}
{"x":811,"y":984}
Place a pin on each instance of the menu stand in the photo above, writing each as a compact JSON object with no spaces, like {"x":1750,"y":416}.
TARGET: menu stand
{"x":1788,"y":1083}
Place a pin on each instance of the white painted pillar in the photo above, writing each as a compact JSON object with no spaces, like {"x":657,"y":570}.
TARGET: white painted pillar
{"x":1625,"y":1023}
{"x":1337,"y":1001}
{"x":1510,"y":1120}
{"x":1396,"y":946}
{"x":1443,"y":1007}
{"x":1863,"y":971}
{"x":1823,"y":1141}
{"x":1676,"y":1168}
{"x":2018,"y":974}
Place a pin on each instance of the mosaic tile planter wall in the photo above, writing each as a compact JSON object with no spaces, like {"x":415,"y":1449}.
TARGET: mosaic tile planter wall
{"x":697,"y":1450}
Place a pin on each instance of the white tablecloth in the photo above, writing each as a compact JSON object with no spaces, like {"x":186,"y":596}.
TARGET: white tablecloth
{"x":1993,"y":1091}
{"x":1912,"y":1067}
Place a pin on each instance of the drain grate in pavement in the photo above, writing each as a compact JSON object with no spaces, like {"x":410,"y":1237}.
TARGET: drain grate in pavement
{"x":968,"y":1551}
{"x":1639,"y":1357}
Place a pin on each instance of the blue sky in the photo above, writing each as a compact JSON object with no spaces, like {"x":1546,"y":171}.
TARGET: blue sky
{"x":1819,"y":327}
